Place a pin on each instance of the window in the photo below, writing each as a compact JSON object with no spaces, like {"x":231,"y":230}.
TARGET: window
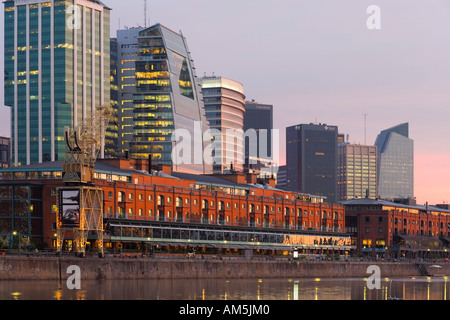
{"x":150,"y":198}
{"x":121,"y":196}
{"x":130,"y":211}
{"x":130,"y":196}
{"x":141,"y":197}
{"x":110,"y":194}
{"x":140,"y":212}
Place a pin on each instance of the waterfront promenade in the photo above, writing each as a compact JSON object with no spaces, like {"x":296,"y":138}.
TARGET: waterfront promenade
{"x":207,"y":267}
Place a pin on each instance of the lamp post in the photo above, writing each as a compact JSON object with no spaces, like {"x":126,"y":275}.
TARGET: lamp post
{"x":13,"y":236}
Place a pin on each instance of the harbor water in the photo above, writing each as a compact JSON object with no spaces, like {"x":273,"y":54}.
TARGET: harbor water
{"x":410,"y":288}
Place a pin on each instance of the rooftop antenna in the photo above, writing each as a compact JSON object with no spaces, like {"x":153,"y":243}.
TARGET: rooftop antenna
{"x":365,"y":120}
{"x":145,"y":13}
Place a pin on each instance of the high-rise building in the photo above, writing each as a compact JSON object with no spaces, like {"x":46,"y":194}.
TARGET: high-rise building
{"x":357,"y":171}
{"x":224,"y":102}
{"x":5,"y":159}
{"x":57,"y":71}
{"x":168,"y":109}
{"x":395,"y":163}
{"x":281,"y":177}
{"x":259,"y":152}
{"x":112,"y":132}
{"x":126,"y":54}
{"x":311,"y":159}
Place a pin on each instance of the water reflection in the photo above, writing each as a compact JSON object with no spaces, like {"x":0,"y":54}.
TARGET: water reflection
{"x":415,"y":288}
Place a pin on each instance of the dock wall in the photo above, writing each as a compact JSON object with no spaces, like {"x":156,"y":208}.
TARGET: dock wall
{"x":29,"y":268}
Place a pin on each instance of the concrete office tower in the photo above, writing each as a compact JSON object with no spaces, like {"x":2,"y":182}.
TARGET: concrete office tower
{"x":168,"y":100}
{"x":224,"y":102}
{"x":311,"y":159}
{"x":57,"y":72}
{"x":259,"y":155}
{"x":126,"y":55}
{"x":395,"y":163}
{"x":357,"y":171}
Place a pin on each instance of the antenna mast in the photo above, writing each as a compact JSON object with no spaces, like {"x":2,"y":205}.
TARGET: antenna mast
{"x":365,"y":120}
{"x":145,"y":13}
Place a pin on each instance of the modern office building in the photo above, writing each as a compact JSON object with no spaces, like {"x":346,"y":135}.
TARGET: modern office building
{"x":126,"y":54}
{"x":112,"y":132}
{"x":260,"y":156}
{"x":57,"y":71}
{"x":5,"y":159}
{"x":395,"y":163}
{"x":357,"y":171}
{"x":311,"y":159}
{"x":281,"y":177}
{"x":168,"y":110}
{"x":224,"y":102}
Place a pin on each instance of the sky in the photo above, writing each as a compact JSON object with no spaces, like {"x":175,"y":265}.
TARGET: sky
{"x":318,"y":61}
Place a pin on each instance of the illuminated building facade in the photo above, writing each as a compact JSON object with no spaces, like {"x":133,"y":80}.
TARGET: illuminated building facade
{"x":395,"y":163}
{"x":389,"y":229}
{"x":126,"y":54}
{"x":168,"y":98}
{"x":57,"y":72}
{"x":224,"y":102}
{"x":357,"y":171}
{"x":177,"y":210}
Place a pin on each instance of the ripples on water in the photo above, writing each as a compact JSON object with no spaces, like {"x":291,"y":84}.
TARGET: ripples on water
{"x":416,"y":288}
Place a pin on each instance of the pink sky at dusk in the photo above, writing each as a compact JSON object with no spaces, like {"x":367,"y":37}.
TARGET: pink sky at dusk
{"x":318,"y":61}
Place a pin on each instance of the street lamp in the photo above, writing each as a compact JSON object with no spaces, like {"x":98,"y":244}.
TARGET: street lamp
{"x":14,"y":234}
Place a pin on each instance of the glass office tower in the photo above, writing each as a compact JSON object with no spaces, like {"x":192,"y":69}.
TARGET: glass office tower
{"x":224,"y":101}
{"x":57,"y":71}
{"x":311,"y":159}
{"x":168,"y":97}
{"x":395,"y":163}
{"x":126,"y":54}
{"x":261,"y":156}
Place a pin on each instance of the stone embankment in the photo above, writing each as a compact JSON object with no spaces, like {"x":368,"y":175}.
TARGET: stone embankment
{"x":33,"y":268}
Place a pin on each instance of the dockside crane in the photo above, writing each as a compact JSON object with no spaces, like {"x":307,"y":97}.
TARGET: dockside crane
{"x":80,"y":203}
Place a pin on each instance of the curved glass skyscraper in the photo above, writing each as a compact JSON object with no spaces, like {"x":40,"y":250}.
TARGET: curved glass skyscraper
{"x":168,"y":98}
{"x":224,"y":101}
{"x":395,"y":163}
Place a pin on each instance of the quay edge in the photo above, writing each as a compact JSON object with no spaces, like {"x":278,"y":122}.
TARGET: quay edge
{"x":54,"y":268}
